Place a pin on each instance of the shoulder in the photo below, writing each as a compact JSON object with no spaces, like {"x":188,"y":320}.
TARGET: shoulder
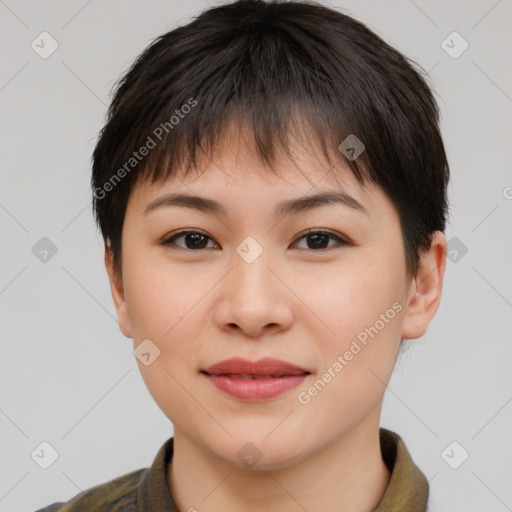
{"x":117,"y":495}
{"x":54,"y":507}
{"x":144,"y":488}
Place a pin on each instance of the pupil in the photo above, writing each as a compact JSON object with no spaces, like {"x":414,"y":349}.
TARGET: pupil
{"x":195,"y":237}
{"x":317,"y":237}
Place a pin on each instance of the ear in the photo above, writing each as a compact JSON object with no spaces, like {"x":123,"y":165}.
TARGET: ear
{"x":425,"y":290}
{"x":117,"y":289}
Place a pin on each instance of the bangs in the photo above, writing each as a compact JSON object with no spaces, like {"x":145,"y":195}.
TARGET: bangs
{"x":192,"y":149}
{"x":266,"y":83}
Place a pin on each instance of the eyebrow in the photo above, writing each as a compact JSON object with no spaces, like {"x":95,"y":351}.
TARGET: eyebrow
{"x":288,"y":207}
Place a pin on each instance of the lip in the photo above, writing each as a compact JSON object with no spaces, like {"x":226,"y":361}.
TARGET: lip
{"x":255,"y":381}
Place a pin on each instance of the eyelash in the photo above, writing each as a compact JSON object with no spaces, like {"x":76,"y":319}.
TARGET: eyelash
{"x":169,"y":241}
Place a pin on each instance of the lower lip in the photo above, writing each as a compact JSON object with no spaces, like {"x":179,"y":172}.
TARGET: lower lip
{"x":256,"y":389}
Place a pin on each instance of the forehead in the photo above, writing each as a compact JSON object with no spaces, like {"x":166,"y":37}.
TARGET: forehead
{"x":236,"y":171}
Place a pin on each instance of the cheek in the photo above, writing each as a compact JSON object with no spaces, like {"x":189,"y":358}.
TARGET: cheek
{"x":361,"y":313}
{"x":160,"y":300}
{"x":349,"y":299}
{"x":164,"y":306}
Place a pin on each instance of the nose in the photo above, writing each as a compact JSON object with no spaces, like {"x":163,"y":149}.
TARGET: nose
{"x":254,"y":298}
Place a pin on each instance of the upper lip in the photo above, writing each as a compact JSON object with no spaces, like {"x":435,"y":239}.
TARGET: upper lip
{"x":265,"y":366}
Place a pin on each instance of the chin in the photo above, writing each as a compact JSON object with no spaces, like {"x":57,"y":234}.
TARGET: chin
{"x":261,"y":453}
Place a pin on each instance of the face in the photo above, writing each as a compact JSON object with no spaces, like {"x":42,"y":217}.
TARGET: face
{"x":320,"y":287}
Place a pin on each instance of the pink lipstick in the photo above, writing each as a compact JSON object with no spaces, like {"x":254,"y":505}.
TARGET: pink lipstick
{"x":255,"y":381}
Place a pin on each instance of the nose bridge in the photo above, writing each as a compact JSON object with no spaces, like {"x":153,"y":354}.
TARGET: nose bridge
{"x":253,"y":298}
{"x":251,"y":270}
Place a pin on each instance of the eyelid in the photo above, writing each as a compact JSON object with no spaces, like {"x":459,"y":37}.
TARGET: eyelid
{"x":314,"y":231}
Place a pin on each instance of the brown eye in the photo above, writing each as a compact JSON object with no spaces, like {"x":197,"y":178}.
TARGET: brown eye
{"x":192,"y":239}
{"x":319,"y":240}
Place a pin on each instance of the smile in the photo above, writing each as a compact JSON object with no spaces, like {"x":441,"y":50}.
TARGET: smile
{"x":255,"y":381}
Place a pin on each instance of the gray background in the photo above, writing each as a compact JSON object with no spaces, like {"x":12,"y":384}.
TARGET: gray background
{"x":68,"y":375}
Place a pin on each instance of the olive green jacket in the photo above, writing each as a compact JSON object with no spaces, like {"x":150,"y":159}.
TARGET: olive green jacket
{"x":145,"y":490}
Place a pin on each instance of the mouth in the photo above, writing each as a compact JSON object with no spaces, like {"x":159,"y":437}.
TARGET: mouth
{"x":255,"y":381}
{"x":243,"y":376}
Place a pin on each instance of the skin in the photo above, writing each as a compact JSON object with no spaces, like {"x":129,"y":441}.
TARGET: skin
{"x":296,"y":303}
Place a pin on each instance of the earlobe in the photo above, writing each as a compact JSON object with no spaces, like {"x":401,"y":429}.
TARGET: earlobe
{"x":118,"y":296}
{"x":425,"y":291}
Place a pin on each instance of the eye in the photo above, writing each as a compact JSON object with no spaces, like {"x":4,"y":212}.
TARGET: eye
{"x":316,"y":240}
{"x":193,"y":240}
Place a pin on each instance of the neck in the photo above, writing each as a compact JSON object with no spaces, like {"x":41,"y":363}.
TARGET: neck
{"x":348,"y":476}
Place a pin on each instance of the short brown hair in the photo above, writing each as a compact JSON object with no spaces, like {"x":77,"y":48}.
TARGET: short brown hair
{"x":271,"y":64}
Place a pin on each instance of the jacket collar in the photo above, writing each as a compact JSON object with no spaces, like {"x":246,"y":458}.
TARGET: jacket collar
{"x":407,"y":489}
